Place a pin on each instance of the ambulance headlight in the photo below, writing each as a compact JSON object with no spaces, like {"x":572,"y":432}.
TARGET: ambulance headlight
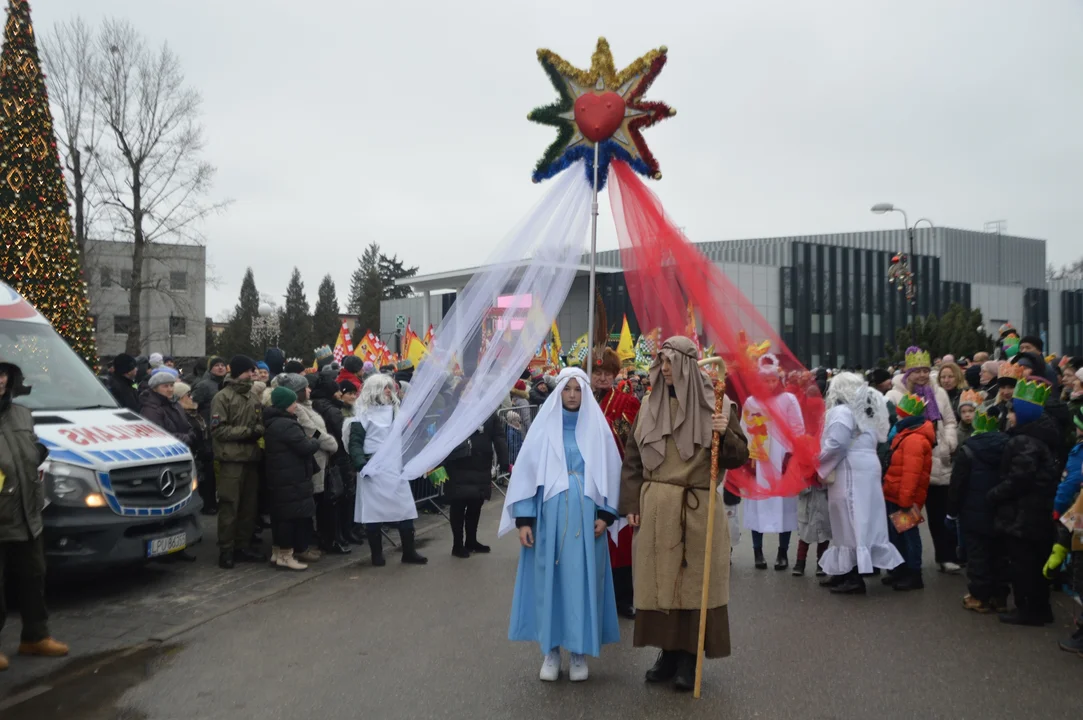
{"x":69,"y":485}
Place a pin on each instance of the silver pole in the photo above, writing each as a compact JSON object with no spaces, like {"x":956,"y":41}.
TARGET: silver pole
{"x":593,"y":248}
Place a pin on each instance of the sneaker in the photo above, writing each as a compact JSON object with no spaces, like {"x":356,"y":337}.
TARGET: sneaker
{"x":950,"y":568}
{"x":972,"y":603}
{"x":44,"y":648}
{"x":550,"y":669}
{"x":1074,"y":644}
{"x":577,"y":669}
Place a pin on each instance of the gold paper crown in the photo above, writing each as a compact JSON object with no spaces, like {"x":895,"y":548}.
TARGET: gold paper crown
{"x":1011,"y":371}
{"x":917,"y":358}
{"x":971,"y":397}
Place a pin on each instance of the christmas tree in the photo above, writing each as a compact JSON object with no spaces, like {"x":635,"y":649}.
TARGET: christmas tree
{"x":38,"y":256}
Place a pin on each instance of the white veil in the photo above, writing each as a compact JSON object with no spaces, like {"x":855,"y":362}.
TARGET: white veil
{"x":507,"y":308}
{"x":541,"y":460}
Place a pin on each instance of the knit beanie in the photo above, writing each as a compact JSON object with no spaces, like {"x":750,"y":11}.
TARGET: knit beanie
{"x":239,"y":365}
{"x":180,"y":390}
{"x":282,"y":397}
{"x":156,"y":360}
{"x":353,"y":364}
{"x":123,"y":364}
{"x":161,"y":378}
{"x":296,"y":383}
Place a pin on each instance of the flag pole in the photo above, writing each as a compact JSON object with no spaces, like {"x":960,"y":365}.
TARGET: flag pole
{"x":593,"y":249}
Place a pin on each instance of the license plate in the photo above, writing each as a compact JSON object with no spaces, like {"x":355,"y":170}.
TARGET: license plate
{"x":166,"y":545}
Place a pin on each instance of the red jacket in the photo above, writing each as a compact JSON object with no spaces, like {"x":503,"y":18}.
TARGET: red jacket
{"x":907,"y":479}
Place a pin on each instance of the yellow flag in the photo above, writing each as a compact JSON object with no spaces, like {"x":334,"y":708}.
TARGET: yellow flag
{"x":625,"y":348}
{"x":416,"y":350}
{"x":555,"y":350}
{"x":578,"y":354}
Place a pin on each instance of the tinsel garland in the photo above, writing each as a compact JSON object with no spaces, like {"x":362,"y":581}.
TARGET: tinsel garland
{"x":550,"y":115}
{"x":601,"y":65}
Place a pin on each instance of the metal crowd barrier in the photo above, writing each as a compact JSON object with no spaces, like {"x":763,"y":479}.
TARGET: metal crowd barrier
{"x":514,"y":433}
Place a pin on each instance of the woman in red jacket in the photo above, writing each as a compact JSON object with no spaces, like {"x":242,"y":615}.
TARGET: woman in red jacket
{"x":907,"y":484}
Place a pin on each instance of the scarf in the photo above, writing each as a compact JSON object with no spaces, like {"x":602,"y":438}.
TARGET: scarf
{"x":927,"y":393}
{"x":691,"y":424}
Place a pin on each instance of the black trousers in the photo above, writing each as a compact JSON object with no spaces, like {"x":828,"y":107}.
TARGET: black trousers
{"x":1027,"y":559}
{"x":328,"y":525}
{"x":944,"y":540}
{"x":24,"y":564}
{"x":986,"y":567}
{"x":465,"y":516}
{"x":291,"y":534}
{"x":208,"y":488}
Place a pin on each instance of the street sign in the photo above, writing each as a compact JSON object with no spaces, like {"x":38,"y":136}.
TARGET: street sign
{"x":400,"y":322}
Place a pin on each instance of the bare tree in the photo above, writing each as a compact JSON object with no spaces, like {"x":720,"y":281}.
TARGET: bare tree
{"x":71,"y":57}
{"x":156,"y":182}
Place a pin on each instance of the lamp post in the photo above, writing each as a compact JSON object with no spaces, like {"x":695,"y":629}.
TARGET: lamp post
{"x":901,"y":273}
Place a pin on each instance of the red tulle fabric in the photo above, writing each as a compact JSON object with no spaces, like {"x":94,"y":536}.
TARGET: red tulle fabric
{"x":665,"y":274}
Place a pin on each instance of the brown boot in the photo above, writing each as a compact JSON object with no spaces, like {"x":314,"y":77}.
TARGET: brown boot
{"x":44,"y":648}
{"x":3,"y":662}
{"x":310,"y":555}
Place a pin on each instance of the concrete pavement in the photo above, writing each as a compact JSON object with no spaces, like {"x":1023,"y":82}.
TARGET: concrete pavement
{"x":430,"y":642}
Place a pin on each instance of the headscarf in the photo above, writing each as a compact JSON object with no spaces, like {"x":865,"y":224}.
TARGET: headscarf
{"x":542,"y":463}
{"x":691,"y":424}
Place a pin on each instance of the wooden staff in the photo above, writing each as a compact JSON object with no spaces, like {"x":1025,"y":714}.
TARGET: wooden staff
{"x":719,"y":394}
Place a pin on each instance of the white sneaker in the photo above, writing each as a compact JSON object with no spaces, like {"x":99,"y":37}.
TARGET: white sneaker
{"x":950,"y":568}
{"x":577,"y":670}
{"x":550,"y":669}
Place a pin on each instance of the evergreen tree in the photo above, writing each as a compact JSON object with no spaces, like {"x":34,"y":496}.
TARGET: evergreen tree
{"x":391,"y":269}
{"x":210,"y":338}
{"x":325,"y":319}
{"x":366,"y":290}
{"x":956,"y":332}
{"x":236,"y":339}
{"x":295,"y":321}
{"x":38,"y":256}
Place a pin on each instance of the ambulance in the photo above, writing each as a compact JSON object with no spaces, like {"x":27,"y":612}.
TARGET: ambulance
{"x":118,"y":489}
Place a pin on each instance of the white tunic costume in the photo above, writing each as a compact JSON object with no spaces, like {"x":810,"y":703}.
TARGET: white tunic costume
{"x":772,"y":515}
{"x":855,"y":497}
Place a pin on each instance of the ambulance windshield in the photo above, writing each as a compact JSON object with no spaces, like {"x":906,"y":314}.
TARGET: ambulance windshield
{"x":59,"y":380}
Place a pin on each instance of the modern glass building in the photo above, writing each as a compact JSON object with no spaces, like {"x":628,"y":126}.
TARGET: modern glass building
{"x":828,"y":296}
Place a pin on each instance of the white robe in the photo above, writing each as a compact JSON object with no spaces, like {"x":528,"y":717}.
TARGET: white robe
{"x":381,"y":501}
{"x":855,"y":500}
{"x":774,"y":515}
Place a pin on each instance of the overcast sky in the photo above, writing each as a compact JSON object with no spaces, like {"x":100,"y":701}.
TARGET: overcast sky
{"x":334,"y":123}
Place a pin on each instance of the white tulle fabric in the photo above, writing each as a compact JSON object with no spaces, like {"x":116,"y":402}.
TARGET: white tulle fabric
{"x":552,"y":238}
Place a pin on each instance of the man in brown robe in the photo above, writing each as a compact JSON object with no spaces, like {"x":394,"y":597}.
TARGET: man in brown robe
{"x":665,"y":483}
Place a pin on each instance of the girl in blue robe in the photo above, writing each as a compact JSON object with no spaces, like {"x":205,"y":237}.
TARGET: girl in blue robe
{"x":564,"y":587}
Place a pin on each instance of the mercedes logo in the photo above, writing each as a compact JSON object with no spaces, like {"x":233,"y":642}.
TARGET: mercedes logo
{"x":167,"y":483}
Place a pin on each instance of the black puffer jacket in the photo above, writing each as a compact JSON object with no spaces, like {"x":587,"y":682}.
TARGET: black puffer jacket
{"x":976,"y":471}
{"x":123,"y":392}
{"x":290,"y":462}
{"x":331,"y":410}
{"x":1023,"y":500}
{"x":168,"y":415}
{"x":469,"y":467}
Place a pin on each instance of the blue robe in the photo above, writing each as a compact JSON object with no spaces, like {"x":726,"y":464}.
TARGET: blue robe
{"x":568,"y":604}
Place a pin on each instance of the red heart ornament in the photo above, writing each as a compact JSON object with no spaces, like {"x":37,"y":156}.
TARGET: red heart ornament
{"x":598,"y":115}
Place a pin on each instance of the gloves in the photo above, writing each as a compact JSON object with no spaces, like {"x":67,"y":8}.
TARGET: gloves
{"x":1056,"y":559}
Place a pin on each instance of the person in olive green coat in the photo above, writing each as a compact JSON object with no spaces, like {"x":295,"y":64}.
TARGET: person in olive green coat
{"x":22,"y":498}
{"x":237,"y":433}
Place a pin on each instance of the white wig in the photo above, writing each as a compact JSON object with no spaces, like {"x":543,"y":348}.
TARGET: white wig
{"x":866,"y":403}
{"x":372,"y":392}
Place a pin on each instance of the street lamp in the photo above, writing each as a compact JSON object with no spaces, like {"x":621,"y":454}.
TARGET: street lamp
{"x":901,"y":272}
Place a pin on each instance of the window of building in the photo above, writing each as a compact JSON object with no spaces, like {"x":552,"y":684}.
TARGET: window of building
{"x":121,"y":324}
{"x":178,"y":280}
{"x":177,"y":325}
{"x":106,"y":276}
{"x":126,"y":279}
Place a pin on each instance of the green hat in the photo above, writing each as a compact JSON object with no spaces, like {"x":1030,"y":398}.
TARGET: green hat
{"x":910,"y":406}
{"x":282,"y":397}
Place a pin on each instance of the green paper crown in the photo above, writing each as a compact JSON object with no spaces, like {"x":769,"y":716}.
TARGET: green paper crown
{"x":910,"y":406}
{"x":1011,"y":347}
{"x":1032,"y":390}
{"x":985,"y":424}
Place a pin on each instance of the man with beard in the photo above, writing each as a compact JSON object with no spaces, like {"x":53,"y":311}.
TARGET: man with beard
{"x":665,"y":481}
{"x":620,"y":410}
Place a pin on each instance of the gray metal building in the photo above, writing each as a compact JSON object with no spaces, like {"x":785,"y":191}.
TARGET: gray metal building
{"x":828,"y":296}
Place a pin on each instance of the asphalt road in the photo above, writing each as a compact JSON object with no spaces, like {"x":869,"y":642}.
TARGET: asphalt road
{"x":431,"y":642}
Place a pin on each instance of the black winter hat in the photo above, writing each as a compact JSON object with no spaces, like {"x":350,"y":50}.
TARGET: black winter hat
{"x":878,"y":376}
{"x":352,"y":363}
{"x":348,"y":387}
{"x":215,"y":360}
{"x":1033,"y":340}
{"x":123,"y":364}
{"x":294,"y":366}
{"x":1031,"y":360}
{"x":239,"y":365}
